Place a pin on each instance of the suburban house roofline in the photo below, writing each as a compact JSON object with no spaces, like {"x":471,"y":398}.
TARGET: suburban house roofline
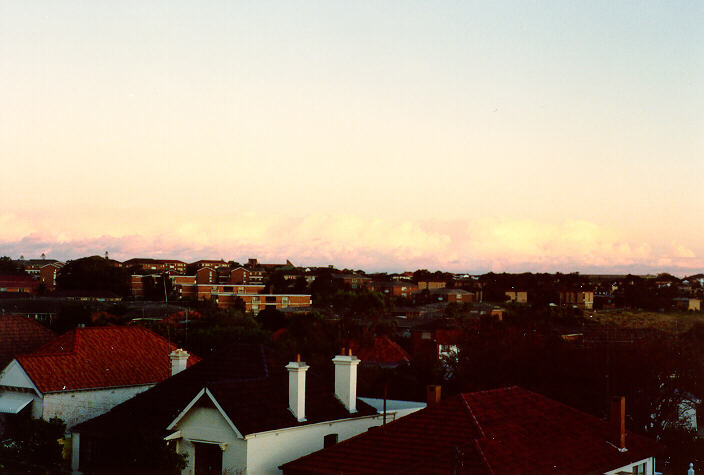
{"x":204,"y":391}
{"x":102,"y":388}
{"x":34,"y":386}
{"x":266,"y":432}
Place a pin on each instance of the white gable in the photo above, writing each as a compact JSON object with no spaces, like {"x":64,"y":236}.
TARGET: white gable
{"x":216,"y":416}
{"x":15,"y":376}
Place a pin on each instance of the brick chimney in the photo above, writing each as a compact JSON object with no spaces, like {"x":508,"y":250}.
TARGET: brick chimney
{"x":433,"y":394}
{"x":346,"y":380}
{"x":297,"y":388}
{"x":179,"y":360}
{"x":617,"y":422}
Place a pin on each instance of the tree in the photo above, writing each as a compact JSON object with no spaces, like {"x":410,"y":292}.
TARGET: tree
{"x":32,"y":446}
{"x":93,"y":273}
{"x":8,"y":266}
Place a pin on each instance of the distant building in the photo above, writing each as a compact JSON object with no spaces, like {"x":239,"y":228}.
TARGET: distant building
{"x":431,"y":285}
{"x":517,"y":296}
{"x":18,"y":284}
{"x":581,"y":298}
{"x":396,"y":289}
{"x":454,"y":295}
{"x":353,"y":281}
{"x":48,"y":274}
{"x":155,"y":266}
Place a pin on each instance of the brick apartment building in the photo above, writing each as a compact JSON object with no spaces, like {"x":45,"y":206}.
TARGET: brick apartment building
{"x":431,"y":285}
{"x":353,"y":281}
{"x":18,"y":284}
{"x":243,"y":275}
{"x":582,"y":299}
{"x":153,"y":266}
{"x":396,"y":289}
{"x":47,"y":275}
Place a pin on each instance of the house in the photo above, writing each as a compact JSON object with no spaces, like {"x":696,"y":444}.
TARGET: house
{"x":353,"y":281}
{"x":508,"y":430}
{"x":516,"y":296}
{"x":87,"y":371}
{"x":581,"y":298}
{"x":436,"y":339}
{"x":687,"y":304}
{"x":396,"y":289}
{"x":18,"y":284}
{"x":33,"y":266}
{"x":20,"y":335}
{"x":380,"y":351}
{"x":453,"y":295}
{"x":430,"y":284}
{"x":243,"y":410}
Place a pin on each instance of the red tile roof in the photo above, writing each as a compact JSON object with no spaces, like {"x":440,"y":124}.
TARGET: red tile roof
{"x":100,"y":357}
{"x":20,"y":335}
{"x":509,"y":430}
{"x":382,"y":351}
{"x":18,"y":280}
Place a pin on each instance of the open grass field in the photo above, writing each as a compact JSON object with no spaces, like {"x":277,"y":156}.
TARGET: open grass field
{"x":674,"y":322}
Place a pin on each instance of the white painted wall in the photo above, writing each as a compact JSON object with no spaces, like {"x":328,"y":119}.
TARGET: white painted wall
{"x":267,"y":450}
{"x":207,"y":425}
{"x":78,"y":406}
{"x":400,"y":408}
{"x":71,"y":406}
{"x":14,"y":375}
{"x":263,"y":452}
{"x":649,"y":469}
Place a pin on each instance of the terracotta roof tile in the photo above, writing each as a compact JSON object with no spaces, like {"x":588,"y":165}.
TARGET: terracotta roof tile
{"x":509,"y":430}
{"x":99,"y":357}
{"x":383,"y":351}
{"x":20,"y":335}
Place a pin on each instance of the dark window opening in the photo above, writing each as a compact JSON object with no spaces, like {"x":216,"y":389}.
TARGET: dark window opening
{"x":208,"y":459}
{"x":329,"y":440}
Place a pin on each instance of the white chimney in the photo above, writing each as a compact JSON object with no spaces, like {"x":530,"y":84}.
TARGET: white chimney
{"x":297,"y":388}
{"x":346,"y":380}
{"x":179,"y":360}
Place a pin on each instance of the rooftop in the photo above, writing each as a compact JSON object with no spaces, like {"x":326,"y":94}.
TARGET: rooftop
{"x":508,"y":430}
{"x":100,"y":357}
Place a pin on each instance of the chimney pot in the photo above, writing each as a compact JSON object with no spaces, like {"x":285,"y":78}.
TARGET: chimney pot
{"x":297,"y":388}
{"x":617,"y":422}
{"x":179,"y":360}
{"x":346,"y":380}
{"x":433,"y":394}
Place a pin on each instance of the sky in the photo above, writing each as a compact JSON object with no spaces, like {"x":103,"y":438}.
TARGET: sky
{"x":467,"y":136}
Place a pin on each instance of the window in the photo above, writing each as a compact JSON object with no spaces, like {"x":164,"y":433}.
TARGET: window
{"x":329,"y":440}
{"x":208,"y":459}
{"x":639,"y":469}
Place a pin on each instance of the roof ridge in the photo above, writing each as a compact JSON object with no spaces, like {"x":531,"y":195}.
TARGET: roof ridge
{"x":481,"y":453}
{"x":474,"y":418}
